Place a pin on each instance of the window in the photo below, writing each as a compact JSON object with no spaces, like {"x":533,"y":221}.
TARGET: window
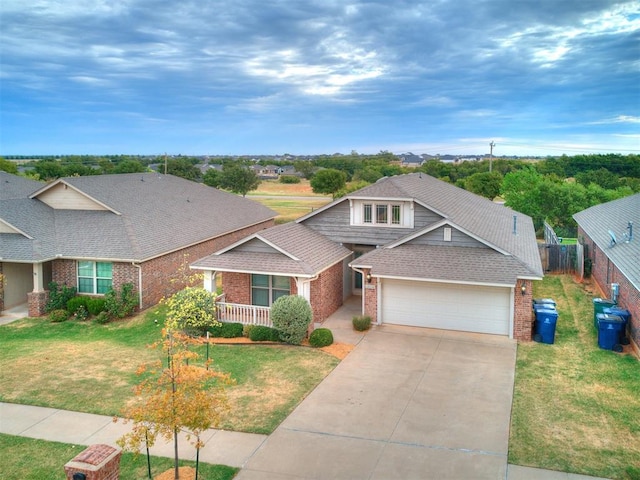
{"x":367,"y":213}
{"x":266,"y":289}
{"x":94,"y":277}
{"x":395,"y":214}
{"x":447,"y":234}
{"x":381,"y":213}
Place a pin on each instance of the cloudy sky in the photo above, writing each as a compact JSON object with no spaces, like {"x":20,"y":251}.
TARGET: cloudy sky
{"x":537,"y":77}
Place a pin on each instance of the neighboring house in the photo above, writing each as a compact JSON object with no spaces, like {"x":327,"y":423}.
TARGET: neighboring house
{"x":615,"y":256}
{"x":102,"y":231}
{"x":411,"y":160}
{"x":419,"y":251}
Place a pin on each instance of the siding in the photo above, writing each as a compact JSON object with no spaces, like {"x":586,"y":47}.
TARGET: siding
{"x":255,"y":246}
{"x":436,"y":237}
{"x":64,"y":198}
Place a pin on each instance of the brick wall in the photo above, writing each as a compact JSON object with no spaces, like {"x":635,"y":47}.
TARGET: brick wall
{"x":37,"y":302}
{"x":64,"y":272}
{"x":370,"y":292}
{"x":97,"y":462}
{"x":237,"y":287}
{"x":326,"y":293}
{"x":523,"y":314}
{"x":604,"y":273}
{"x":1,"y":290}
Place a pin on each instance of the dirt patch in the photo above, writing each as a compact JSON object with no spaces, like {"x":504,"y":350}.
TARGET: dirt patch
{"x":186,"y":473}
{"x":338,"y":350}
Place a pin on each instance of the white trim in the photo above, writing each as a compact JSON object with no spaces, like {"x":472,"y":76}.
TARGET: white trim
{"x":437,"y":280}
{"x":16,"y":230}
{"x":61,"y":181}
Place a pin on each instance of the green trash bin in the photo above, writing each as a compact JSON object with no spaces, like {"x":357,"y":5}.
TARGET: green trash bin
{"x":599,"y":304}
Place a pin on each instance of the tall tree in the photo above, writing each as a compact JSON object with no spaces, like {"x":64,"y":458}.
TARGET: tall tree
{"x":328,"y":181}
{"x":238,"y":178}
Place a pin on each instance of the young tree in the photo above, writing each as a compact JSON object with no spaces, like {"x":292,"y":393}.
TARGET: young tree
{"x":192,"y":310}
{"x":238,"y":179}
{"x":328,"y":181}
{"x":180,"y":396}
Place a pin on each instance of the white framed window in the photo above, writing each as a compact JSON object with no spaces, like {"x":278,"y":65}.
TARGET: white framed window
{"x":95,"y":277}
{"x":381,"y":213}
{"x":367,"y":215}
{"x":447,"y":234}
{"x":266,"y":289}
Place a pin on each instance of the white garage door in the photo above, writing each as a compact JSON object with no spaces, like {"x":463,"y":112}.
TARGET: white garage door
{"x":447,"y":306}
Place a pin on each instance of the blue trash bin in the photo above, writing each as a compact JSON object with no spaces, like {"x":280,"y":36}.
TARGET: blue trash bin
{"x":544,"y":301}
{"x":609,"y":328}
{"x":599,"y":304}
{"x":546,"y":320}
{"x":625,"y":315}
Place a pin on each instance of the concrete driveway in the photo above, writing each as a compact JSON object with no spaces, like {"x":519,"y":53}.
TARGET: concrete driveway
{"x":407,"y":403}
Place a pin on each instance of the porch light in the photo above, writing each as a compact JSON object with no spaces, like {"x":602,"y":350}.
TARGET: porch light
{"x":368,"y":277}
{"x":523,"y":288}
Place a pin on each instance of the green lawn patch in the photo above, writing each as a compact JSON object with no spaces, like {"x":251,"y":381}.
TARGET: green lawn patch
{"x":87,"y":367}
{"x":576,"y":407}
{"x":29,"y":459}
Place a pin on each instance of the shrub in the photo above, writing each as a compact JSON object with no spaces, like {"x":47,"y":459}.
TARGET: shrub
{"x":192,"y":310}
{"x":121,"y":303}
{"x":227,"y":330}
{"x":291,"y":316}
{"x":321,"y":337}
{"x":76,"y":302}
{"x":59,"y":295}
{"x":81,"y":313}
{"x":246,"y":330}
{"x":58,"y":315}
{"x":289,"y":179}
{"x":260,"y":333}
{"x":95,"y":305}
{"x":361,"y":322}
{"x":102,"y":318}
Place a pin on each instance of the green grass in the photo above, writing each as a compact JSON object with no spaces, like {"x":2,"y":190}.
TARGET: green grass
{"x":30,"y":459}
{"x":46,"y":364}
{"x":576,"y":407}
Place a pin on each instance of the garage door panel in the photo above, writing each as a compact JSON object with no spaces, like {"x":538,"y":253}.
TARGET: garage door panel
{"x":446,"y":306}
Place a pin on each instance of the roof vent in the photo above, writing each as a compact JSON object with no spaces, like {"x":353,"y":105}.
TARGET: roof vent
{"x":613,"y":241}
{"x":515,"y":224}
{"x":630,"y":234}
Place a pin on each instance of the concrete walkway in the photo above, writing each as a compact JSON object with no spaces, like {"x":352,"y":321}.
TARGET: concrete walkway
{"x":407,"y":403}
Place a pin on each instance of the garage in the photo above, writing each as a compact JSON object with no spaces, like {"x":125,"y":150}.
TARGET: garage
{"x":470,"y":308}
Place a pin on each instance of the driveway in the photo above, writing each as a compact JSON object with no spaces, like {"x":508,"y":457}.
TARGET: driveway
{"x":407,"y":403}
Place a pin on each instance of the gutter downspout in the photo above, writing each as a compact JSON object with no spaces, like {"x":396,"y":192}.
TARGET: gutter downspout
{"x":139,"y":267}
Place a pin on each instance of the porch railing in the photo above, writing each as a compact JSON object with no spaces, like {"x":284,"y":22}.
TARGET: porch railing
{"x":245,"y":314}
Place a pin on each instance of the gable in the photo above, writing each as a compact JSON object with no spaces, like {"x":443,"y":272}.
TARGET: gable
{"x":446,"y":235}
{"x":255,"y":245}
{"x":62,"y":197}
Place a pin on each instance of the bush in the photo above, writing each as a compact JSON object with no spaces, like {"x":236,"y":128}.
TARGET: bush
{"x":81,"y":313}
{"x":59,"y":295}
{"x":259,"y":333}
{"x":75,"y":303}
{"x":246,"y":330}
{"x":361,"y":322}
{"x":59,"y":315}
{"x":192,"y":310}
{"x":321,"y":337}
{"x":227,"y":330}
{"x":95,"y":305}
{"x":121,"y":303}
{"x":291,"y":316}
{"x":102,"y":318}
{"x":289,"y":179}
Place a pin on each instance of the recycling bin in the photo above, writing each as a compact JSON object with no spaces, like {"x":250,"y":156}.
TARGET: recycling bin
{"x":609,"y":328}
{"x":544,"y":301}
{"x":599,"y":304}
{"x":625,"y":315}
{"x":545,"y":329}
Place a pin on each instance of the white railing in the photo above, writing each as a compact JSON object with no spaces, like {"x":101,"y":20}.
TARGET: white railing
{"x":245,"y":314}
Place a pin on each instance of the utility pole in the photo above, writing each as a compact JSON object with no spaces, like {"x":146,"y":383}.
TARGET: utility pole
{"x":491,"y":145}
{"x":165,"y":163}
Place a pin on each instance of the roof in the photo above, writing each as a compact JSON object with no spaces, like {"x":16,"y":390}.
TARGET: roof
{"x":289,"y":249}
{"x":144,"y":216}
{"x":14,"y":186}
{"x":596,"y":222}
{"x":491,"y":223}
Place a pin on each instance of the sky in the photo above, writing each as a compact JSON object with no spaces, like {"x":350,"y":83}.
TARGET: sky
{"x":249,"y":77}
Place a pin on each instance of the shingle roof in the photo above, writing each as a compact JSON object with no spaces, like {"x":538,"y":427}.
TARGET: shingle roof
{"x":158,"y":214}
{"x":491,"y":222}
{"x":13,"y":186}
{"x":615,"y":216}
{"x":298,"y":251}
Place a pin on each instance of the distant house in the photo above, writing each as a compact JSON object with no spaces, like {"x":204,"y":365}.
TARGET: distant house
{"x":607,"y":232}
{"x":102,"y":231}
{"x":410,"y":160}
{"x":418,"y":251}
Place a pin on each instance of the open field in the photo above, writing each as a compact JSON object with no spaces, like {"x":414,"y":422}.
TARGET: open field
{"x":576,"y":407}
{"x":46,"y":364}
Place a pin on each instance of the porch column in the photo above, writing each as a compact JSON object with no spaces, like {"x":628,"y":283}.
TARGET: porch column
{"x":304,"y":288}
{"x":210,"y":280}
{"x":38,"y":277}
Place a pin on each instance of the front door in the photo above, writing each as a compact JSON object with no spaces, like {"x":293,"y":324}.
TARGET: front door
{"x":357,"y":277}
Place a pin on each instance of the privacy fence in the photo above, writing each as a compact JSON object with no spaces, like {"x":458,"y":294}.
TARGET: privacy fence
{"x":558,"y":257}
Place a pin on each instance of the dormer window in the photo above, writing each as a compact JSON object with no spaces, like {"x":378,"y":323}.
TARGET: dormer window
{"x":381,"y":213}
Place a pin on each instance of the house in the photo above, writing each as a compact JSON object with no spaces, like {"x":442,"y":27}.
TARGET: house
{"x":606,"y":231}
{"x":102,"y":231}
{"x":418,"y":251}
{"x":410,"y":160}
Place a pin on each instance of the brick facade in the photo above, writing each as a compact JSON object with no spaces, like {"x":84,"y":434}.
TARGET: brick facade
{"x":604,"y":273}
{"x":161,"y":276}
{"x":326,"y":293}
{"x":370,"y":292}
{"x":522,"y":312}
{"x":37,"y":302}
{"x":97,"y":462}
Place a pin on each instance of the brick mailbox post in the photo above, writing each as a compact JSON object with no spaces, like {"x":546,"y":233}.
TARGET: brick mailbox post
{"x":97,"y":462}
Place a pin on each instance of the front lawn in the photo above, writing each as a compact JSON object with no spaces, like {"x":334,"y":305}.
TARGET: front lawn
{"x":88,"y":367}
{"x":576,"y":407}
{"x":30,"y":459}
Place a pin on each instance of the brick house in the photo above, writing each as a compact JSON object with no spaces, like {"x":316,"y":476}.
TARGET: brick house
{"x":102,"y":231}
{"x":606,"y":231}
{"x":418,"y":251}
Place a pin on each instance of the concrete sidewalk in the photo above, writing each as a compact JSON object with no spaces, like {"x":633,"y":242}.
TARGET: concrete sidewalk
{"x":221,"y":447}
